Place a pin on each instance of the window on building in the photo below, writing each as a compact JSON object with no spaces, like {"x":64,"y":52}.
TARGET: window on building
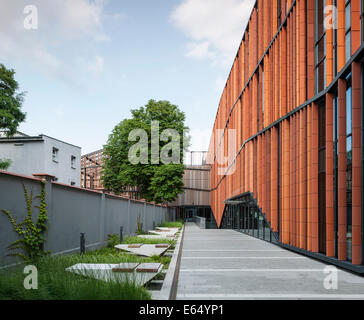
{"x":73,"y":183}
{"x":347,"y":30}
{"x":55,"y":152}
{"x":73,"y":162}
{"x":320,"y":46}
{"x":349,"y":166}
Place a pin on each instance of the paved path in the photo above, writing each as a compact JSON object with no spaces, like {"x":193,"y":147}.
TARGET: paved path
{"x":225,"y":264}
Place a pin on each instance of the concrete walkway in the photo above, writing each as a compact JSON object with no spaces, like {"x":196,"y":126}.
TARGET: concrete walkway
{"x":225,"y":264}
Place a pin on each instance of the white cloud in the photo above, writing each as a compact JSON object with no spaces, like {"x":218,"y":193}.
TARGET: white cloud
{"x":214,"y":27}
{"x":63,"y":27}
{"x":199,"y":50}
{"x":97,"y":65}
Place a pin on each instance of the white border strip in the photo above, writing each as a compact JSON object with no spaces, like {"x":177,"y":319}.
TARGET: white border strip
{"x":272,"y":296}
{"x":168,"y":282}
{"x":252,"y":270}
{"x":243,"y":258}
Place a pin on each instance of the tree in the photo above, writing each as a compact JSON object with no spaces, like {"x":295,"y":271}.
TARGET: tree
{"x":131,"y":159}
{"x":10,"y":101}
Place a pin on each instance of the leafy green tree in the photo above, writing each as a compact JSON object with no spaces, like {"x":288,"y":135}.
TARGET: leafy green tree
{"x":155,"y":180}
{"x":10,"y":101}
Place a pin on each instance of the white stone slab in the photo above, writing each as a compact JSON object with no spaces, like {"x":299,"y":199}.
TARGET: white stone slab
{"x":162,"y":233}
{"x":168,"y":229}
{"x":105,"y":272}
{"x":146,"y":250}
{"x":157,"y":236}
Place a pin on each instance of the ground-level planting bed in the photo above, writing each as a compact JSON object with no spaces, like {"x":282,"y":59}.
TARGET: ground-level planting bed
{"x":172,"y":224}
{"x":55,"y":283}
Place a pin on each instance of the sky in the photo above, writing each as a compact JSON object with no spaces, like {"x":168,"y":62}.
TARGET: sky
{"x":89,"y":62}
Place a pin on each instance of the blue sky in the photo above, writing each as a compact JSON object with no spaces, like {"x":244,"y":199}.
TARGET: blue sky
{"x":89,"y":62}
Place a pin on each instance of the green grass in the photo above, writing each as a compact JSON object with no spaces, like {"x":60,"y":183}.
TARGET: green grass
{"x":172,"y":224}
{"x":113,"y":256}
{"x":54,"y":283}
{"x":136,"y":240}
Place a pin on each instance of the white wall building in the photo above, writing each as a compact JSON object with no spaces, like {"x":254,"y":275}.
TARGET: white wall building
{"x":42,"y":155}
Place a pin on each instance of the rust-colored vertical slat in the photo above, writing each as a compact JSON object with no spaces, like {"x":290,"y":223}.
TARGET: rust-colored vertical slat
{"x":330,"y":245}
{"x":259,"y":159}
{"x":309,"y":176}
{"x":298,"y":53}
{"x":261,"y":100}
{"x":302,"y":74}
{"x":355,"y":26}
{"x":301,"y":177}
{"x":286,"y":189}
{"x":283,"y":73}
{"x":297,"y":150}
{"x":329,"y":46}
{"x":310,"y":48}
{"x":255,"y":166}
{"x":274,"y":178}
{"x":276,"y":79}
{"x":314,"y":177}
{"x":292,"y":178}
{"x":356,"y":164}
{"x":275,"y":17}
{"x":266,"y":91}
{"x":289,"y":65}
{"x":263,"y":175}
{"x":341,"y":34}
{"x":268,"y":176}
{"x":304,"y":183}
{"x":342,"y":169}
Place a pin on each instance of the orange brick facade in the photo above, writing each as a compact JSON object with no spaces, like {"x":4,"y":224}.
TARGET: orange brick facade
{"x":294,"y":89}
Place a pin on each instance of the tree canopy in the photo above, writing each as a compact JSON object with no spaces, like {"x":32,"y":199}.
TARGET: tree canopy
{"x":10,"y":101}
{"x":135,"y":156}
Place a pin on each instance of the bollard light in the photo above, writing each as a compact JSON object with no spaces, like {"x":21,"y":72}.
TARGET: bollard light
{"x":121,"y":234}
{"x":82,"y":244}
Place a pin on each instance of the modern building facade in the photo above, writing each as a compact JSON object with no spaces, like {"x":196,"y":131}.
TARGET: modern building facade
{"x":42,"y":155}
{"x":294,"y":103}
{"x":195,"y":199}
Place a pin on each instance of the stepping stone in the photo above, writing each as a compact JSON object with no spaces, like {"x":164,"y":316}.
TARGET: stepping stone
{"x":134,"y":245}
{"x":125,"y":267}
{"x":162,"y":245}
{"x":168,"y":229}
{"x":162,"y":233}
{"x":148,"y":267}
{"x":140,"y":274}
{"x":146,"y":250}
{"x":157,"y":236}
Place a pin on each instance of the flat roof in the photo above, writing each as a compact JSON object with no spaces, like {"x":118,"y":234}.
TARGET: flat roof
{"x":39,"y":138}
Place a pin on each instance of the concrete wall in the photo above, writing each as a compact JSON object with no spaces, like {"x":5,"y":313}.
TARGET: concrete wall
{"x":72,"y":211}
